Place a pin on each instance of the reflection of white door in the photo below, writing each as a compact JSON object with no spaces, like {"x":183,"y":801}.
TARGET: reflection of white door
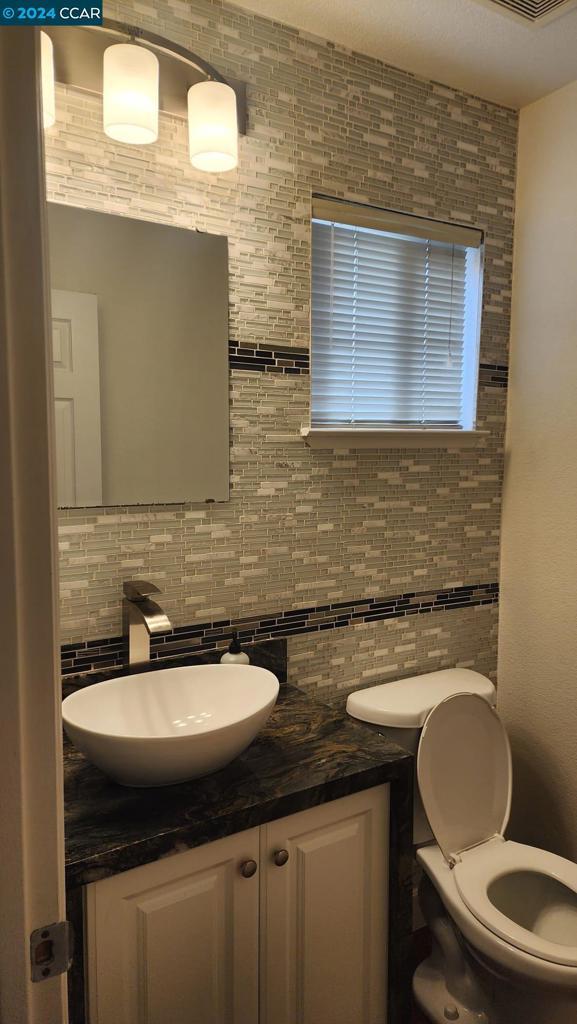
{"x":77,"y":398}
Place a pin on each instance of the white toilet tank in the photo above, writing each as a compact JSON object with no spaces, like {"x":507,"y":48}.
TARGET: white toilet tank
{"x":399,"y":709}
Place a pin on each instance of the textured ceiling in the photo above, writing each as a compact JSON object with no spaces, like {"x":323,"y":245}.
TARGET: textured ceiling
{"x":475,"y":45}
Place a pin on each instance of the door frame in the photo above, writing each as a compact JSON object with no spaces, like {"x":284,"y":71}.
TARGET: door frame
{"x":32,"y":891}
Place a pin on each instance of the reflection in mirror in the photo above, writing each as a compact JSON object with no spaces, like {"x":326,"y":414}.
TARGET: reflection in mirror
{"x":140,"y":350}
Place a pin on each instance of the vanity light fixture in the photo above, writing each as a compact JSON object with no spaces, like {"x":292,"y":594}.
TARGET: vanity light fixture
{"x":47,"y":78}
{"x":130,"y":94}
{"x":142,"y":73}
{"x":212,"y":126}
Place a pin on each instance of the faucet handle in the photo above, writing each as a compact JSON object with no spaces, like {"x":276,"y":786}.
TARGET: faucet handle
{"x":139,"y":590}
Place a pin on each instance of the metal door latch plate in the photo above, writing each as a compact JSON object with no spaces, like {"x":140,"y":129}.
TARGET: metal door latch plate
{"x":51,"y":950}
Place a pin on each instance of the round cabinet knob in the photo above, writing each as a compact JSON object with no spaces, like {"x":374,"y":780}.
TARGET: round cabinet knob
{"x":248,"y":868}
{"x":280,"y":857}
{"x":451,"y":1012}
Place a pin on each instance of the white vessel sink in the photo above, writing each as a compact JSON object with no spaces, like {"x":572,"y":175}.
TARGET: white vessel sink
{"x":157,"y":728}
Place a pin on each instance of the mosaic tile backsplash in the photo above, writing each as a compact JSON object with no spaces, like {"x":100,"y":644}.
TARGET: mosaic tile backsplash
{"x":306,"y":532}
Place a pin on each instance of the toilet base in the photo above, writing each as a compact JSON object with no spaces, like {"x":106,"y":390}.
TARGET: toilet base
{"x":456,"y":977}
{"x":436,"y":1002}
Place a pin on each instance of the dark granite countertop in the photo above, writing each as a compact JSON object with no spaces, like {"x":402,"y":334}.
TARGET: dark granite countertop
{"x":309,"y":753}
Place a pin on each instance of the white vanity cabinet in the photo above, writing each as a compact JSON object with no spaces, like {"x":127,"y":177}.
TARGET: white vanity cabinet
{"x":323,"y":915}
{"x":176,"y":941}
{"x":237,"y":932}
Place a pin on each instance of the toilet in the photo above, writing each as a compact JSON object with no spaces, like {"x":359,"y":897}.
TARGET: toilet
{"x":503,"y":916}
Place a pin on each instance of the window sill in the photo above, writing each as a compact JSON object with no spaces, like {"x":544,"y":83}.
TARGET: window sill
{"x":389,"y":437}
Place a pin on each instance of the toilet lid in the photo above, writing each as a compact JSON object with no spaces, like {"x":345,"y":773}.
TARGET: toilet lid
{"x":464,"y":773}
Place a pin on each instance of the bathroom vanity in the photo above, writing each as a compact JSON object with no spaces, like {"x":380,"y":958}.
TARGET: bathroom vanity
{"x":276,"y":890}
{"x":212,"y":934}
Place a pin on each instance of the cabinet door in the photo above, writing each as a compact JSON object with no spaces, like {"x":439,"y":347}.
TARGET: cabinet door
{"x":324,"y":913}
{"x":176,"y":941}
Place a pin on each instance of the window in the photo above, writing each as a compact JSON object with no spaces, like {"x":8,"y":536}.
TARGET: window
{"x":395,"y":320}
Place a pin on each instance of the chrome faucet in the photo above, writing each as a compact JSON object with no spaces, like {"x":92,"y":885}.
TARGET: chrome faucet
{"x":141,"y":619}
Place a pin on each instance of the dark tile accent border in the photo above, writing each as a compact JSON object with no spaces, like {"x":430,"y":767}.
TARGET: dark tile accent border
{"x":492,"y":375}
{"x":95,"y":655}
{"x":269,"y":359}
{"x":270,"y":654}
{"x":265,"y":359}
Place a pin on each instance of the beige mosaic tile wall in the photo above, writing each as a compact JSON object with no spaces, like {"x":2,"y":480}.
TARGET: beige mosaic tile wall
{"x":303,"y":528}
{"x":376,"y":652}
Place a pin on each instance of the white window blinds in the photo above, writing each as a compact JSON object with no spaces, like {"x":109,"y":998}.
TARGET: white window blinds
{"x":395,"y":321}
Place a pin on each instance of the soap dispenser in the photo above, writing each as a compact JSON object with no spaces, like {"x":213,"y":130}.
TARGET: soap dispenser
{"x":235,"y":654}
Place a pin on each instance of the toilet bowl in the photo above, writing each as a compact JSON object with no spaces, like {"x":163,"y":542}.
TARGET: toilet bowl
{"x":503,"y":915}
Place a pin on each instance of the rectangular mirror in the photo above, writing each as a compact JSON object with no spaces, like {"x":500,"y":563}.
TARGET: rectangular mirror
{"x":140,"y":349}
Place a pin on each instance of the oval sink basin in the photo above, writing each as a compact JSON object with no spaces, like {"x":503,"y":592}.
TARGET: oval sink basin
{"x":158,"y":728}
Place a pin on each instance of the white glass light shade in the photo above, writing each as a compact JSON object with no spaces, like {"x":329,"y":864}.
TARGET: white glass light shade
{"x":47,"y":78}
{"x":130,"y":94}
{"x":212,"y":126}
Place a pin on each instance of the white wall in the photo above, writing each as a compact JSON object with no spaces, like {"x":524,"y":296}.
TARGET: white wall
{"x":538,"y":628}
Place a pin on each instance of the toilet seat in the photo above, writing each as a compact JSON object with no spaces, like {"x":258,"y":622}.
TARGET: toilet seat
{"x":465,"y":778}
{"x":464,"y":772}
{"x":498,"y":864}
